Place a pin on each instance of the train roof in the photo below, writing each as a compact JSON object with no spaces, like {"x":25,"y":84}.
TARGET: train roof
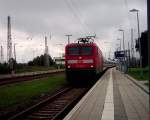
{"x":81,"y":44}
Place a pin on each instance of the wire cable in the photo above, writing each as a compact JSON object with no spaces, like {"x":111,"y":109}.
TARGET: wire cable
{"x":74,"y":5}
{"x":69,"y":5}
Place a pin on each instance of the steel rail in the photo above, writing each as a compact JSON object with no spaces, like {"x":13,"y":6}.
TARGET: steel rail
{"x":54,"y":107}
{"x":14,"y":79}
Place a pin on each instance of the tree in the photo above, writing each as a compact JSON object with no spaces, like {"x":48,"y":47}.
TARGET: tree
{"x":144,"y":48}
{"x":4,"y":68}
{"x":40,"y":61}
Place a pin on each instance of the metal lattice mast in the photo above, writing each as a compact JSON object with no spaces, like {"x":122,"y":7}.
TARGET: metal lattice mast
{"x":9,"y":41}
{"x":46,"y":53}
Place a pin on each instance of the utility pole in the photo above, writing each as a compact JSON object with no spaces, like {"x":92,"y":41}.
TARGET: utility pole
{"x":15,"y":51}
{"x":15,"y":56}
{"x":9,"y":45}
{"x":9,"y":41}
{"x":68,"y":38}
{"x":2,"y":55}
{"x":46,"y":53}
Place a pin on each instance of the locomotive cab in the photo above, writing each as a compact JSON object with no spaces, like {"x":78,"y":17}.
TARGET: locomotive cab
{"x":82,"y":61}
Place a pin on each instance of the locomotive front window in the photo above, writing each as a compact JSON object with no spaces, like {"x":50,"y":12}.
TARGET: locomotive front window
{"x":73,"y":51}
{"x":86,"y":51}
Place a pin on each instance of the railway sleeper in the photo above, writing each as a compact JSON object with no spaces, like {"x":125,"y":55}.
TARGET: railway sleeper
{"x":38,"y":117}
{"x":43,"y":114}
{"x":46,"y":111}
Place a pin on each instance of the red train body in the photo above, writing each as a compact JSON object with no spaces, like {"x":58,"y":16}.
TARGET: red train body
{"x":83,"y":60}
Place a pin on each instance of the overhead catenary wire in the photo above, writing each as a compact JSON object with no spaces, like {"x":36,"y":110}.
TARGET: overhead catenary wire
{"x":126,"y":5}
{"x":76,"y":8}
{"x":74,"y":15}
{"x":73,"y":11}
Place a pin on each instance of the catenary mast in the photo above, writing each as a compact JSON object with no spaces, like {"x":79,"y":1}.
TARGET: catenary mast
{"x":9,"y":40}
{"x":46,"y":54}
{"x":9,"y":45}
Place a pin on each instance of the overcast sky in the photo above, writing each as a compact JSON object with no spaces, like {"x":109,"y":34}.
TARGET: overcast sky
{"x":32,"y":20}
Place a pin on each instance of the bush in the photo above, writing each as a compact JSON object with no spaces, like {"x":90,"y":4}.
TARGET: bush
{"x":4,"y":68}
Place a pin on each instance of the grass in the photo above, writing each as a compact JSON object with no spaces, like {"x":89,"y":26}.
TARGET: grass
{"x":22,"y":93}
{"x":135,"y":73}
{"x":33,"y":69}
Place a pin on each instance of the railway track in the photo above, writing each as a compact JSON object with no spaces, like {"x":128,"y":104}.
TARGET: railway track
{"x":13,"y":79}
{"x":53,"y":108}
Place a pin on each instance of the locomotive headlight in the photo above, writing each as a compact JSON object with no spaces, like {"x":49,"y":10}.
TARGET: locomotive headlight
{"x":68,"y":66}
{"x":92,"y":66}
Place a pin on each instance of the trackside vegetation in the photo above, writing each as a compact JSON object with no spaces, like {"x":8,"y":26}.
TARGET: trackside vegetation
{"x":26,"y":68}
{"x":135,"y":73}
{"x":23,"y":93}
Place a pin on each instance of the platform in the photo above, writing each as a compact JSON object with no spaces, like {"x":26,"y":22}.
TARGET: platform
{"x":113,"y":97}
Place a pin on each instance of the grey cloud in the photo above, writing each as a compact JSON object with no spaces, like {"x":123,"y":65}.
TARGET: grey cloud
{"x":30,"y":15}
{"x":77,"y":17}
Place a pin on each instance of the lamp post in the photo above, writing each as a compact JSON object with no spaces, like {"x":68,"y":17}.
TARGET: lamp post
{"x":123,"y":42}
{"x":135,"y":10}
{"x":120,"y":43}
{"x":122,"y":38}
{"x":124,"y":58}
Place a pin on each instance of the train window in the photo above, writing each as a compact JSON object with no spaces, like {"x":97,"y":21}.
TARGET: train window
{"x":86,"y":51}
{"x":73,"y":51}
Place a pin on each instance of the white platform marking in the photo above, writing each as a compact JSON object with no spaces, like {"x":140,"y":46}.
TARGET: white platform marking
{"x":108,"y":112}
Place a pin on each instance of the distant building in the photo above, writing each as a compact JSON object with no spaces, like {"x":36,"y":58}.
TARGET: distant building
{"x":59,"y":60}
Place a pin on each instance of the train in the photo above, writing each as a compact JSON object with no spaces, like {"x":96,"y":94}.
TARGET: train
{"x":83,"y":61}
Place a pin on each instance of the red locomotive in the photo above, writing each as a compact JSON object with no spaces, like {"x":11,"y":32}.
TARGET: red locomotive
{"x":83,"y":60}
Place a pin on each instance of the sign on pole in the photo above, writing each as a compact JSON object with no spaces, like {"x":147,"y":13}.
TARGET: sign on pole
{"x":120,"y":54}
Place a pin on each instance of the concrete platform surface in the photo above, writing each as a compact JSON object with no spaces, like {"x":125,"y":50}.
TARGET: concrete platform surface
{"x":113,"y":97}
